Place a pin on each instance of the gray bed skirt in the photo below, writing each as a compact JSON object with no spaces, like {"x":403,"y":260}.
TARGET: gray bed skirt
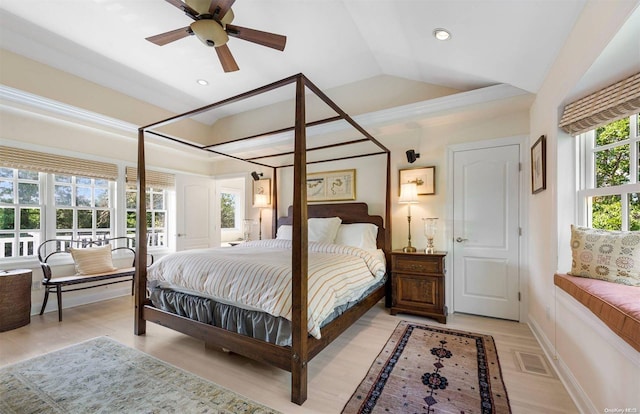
{"x":260,"y":325}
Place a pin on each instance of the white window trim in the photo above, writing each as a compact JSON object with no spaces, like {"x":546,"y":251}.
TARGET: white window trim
{"x":586,"y":179}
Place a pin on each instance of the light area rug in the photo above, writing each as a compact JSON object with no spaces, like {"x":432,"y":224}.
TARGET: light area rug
{"x":104,"y":376}
{"x":425,"y":369}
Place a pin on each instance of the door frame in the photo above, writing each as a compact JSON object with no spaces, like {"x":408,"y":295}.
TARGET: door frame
{"x":523,"y":215}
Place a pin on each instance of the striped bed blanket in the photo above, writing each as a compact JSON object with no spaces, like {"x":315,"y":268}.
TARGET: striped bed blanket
{"x":256,"y":275}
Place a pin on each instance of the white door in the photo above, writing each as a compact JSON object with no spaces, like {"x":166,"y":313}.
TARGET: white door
{"x":486,"y":231}
{"x":194,"y":221}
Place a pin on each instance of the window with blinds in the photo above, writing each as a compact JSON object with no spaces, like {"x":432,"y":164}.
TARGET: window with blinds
{"x":158,"y":183}
{"x":617,"y":101}
{"x":607,"y":124}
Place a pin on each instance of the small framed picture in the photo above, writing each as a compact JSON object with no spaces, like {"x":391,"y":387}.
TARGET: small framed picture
{"x":424,"y":177}
{"x":331,"y":186}
{"x":539,"y":165}
{"x":261,"y":188}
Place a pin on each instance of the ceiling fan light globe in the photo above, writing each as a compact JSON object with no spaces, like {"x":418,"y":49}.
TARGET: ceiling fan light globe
{"x":209,"y":32}
{"x":201,"y":6}
{"x":227,"y":18}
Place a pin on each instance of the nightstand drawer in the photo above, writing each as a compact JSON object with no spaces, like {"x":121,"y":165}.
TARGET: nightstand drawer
{"x":417,"y":264}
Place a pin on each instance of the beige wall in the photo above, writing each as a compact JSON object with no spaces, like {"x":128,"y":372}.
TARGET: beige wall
{"x":579,"y":352}
{"x":430,"y":137}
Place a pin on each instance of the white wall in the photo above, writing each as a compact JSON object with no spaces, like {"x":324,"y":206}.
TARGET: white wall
{"x":578,"y":351}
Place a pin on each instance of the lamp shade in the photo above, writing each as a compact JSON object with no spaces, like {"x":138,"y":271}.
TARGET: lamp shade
{"x":261,"y":200}
{"x":408,"y":193}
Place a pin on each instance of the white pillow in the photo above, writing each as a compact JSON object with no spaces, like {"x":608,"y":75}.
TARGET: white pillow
{"x":285,"y":232}
{"x":324,"y":229}
{"x":362,"y":235}
{"x":320,"y":230}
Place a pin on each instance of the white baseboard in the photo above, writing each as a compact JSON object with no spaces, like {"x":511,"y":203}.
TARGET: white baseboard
{"x":577,"y":394}
{"x":83,"y":297}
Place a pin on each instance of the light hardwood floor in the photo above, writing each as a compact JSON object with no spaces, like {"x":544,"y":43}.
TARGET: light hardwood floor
{"x":333,"y":374}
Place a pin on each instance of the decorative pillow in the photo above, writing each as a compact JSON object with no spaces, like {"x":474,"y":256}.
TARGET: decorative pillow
{"x":285,"y":232}
{"x":324,"y":229}
{"x":92,"y":260}
{"x":362,"y":235}
{"x":607,"y":255}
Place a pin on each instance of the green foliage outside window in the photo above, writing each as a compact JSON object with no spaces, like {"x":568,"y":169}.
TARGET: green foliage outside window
{"x":227,"y":211}
{"x":612,"y":168}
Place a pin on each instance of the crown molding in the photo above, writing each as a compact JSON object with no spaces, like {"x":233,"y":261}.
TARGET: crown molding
{"x":422,"y":109}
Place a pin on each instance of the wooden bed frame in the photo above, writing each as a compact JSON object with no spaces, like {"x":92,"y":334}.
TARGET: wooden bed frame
{"x":292,"y":358}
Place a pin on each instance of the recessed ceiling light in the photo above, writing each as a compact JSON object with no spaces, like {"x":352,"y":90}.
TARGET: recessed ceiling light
{"x":202,"y":82}
{"x":442,"y":34}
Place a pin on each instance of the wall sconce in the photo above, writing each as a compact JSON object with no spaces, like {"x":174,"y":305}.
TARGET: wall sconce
{"x":261,"y":201}
{"x":409,"y":195}
{"x":256,"y":175}
{"x":412,"y":156}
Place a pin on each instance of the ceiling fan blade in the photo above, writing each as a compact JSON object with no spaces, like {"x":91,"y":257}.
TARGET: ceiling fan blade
{"x":222,"y":5}
{"x":168,"y":37}
{"x":184,"y":7}
{"x":272,"y":40}
{"x":226,"y":59}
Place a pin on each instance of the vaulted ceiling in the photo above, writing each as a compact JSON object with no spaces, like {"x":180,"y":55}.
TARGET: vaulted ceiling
{"x":333,"y":42}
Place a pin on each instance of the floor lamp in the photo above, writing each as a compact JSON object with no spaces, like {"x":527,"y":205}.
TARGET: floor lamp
{"x":261,"y":201}
{"x":408,"y":195}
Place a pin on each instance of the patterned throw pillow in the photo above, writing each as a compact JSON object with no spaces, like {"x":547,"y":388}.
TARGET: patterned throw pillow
{"x":92,"y":260}
{"x":607,"y":255}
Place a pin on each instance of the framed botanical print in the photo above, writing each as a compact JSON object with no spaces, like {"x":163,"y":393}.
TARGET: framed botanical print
{"x":424,"y":177}
{"x":539,"y":165}
{"x":262,"y":187}
{"x":331,"y":186}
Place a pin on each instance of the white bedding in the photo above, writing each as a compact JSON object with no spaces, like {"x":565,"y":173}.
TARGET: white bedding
{"x":257,"y":275}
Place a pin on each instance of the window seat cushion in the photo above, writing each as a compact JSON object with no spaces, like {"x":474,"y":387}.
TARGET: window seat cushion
{"x":618,"y":306}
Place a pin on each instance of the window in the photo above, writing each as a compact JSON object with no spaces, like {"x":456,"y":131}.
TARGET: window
{"x":21,"y":212}
{"x":83,"y":207}
{"x":608,"y":197}
{"x":156,"y":200}
{"x":229,"y":210}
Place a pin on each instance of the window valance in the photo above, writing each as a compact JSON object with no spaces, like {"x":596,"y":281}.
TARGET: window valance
{"x":154,"y":179}
{"x":614,"y":102}
{"x":56,"y":164}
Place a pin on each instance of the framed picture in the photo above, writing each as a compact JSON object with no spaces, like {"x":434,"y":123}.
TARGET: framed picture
{"x":424,"y":177}
{"x":539,"y":165}
{"x":331,"y":186}
{"x":262,"y":187}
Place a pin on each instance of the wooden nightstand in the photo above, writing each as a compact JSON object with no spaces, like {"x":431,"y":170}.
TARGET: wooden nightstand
{"x":417,"y":281}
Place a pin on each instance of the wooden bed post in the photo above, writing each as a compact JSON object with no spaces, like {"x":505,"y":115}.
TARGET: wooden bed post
{"x":387,"y":235}
{"x":140,"y":325}
{"x":299,"y":255}
{"x":274,"y":203}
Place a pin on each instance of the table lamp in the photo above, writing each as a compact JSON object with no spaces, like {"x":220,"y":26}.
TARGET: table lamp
{"x":408,"y":195}
{"x":261,"y":201}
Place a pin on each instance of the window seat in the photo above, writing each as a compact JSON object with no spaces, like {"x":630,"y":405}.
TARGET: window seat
{"x":618,"y":306}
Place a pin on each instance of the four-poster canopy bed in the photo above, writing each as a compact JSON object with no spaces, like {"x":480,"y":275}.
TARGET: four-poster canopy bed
{"x":294,"y":355}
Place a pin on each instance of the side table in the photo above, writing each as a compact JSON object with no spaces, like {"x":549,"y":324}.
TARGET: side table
{"x":15,"y":298}
{"x":418,"y":284}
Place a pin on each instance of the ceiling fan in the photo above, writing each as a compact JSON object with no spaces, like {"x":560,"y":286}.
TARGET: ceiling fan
{"x":212,"y":25}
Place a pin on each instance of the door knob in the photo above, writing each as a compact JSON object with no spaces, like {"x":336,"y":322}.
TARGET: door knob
{"x":460,"y":239}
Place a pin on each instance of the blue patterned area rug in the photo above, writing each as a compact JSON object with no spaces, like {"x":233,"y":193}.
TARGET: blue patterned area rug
{"x":426,"y":369}
{"x":104,"y":376}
